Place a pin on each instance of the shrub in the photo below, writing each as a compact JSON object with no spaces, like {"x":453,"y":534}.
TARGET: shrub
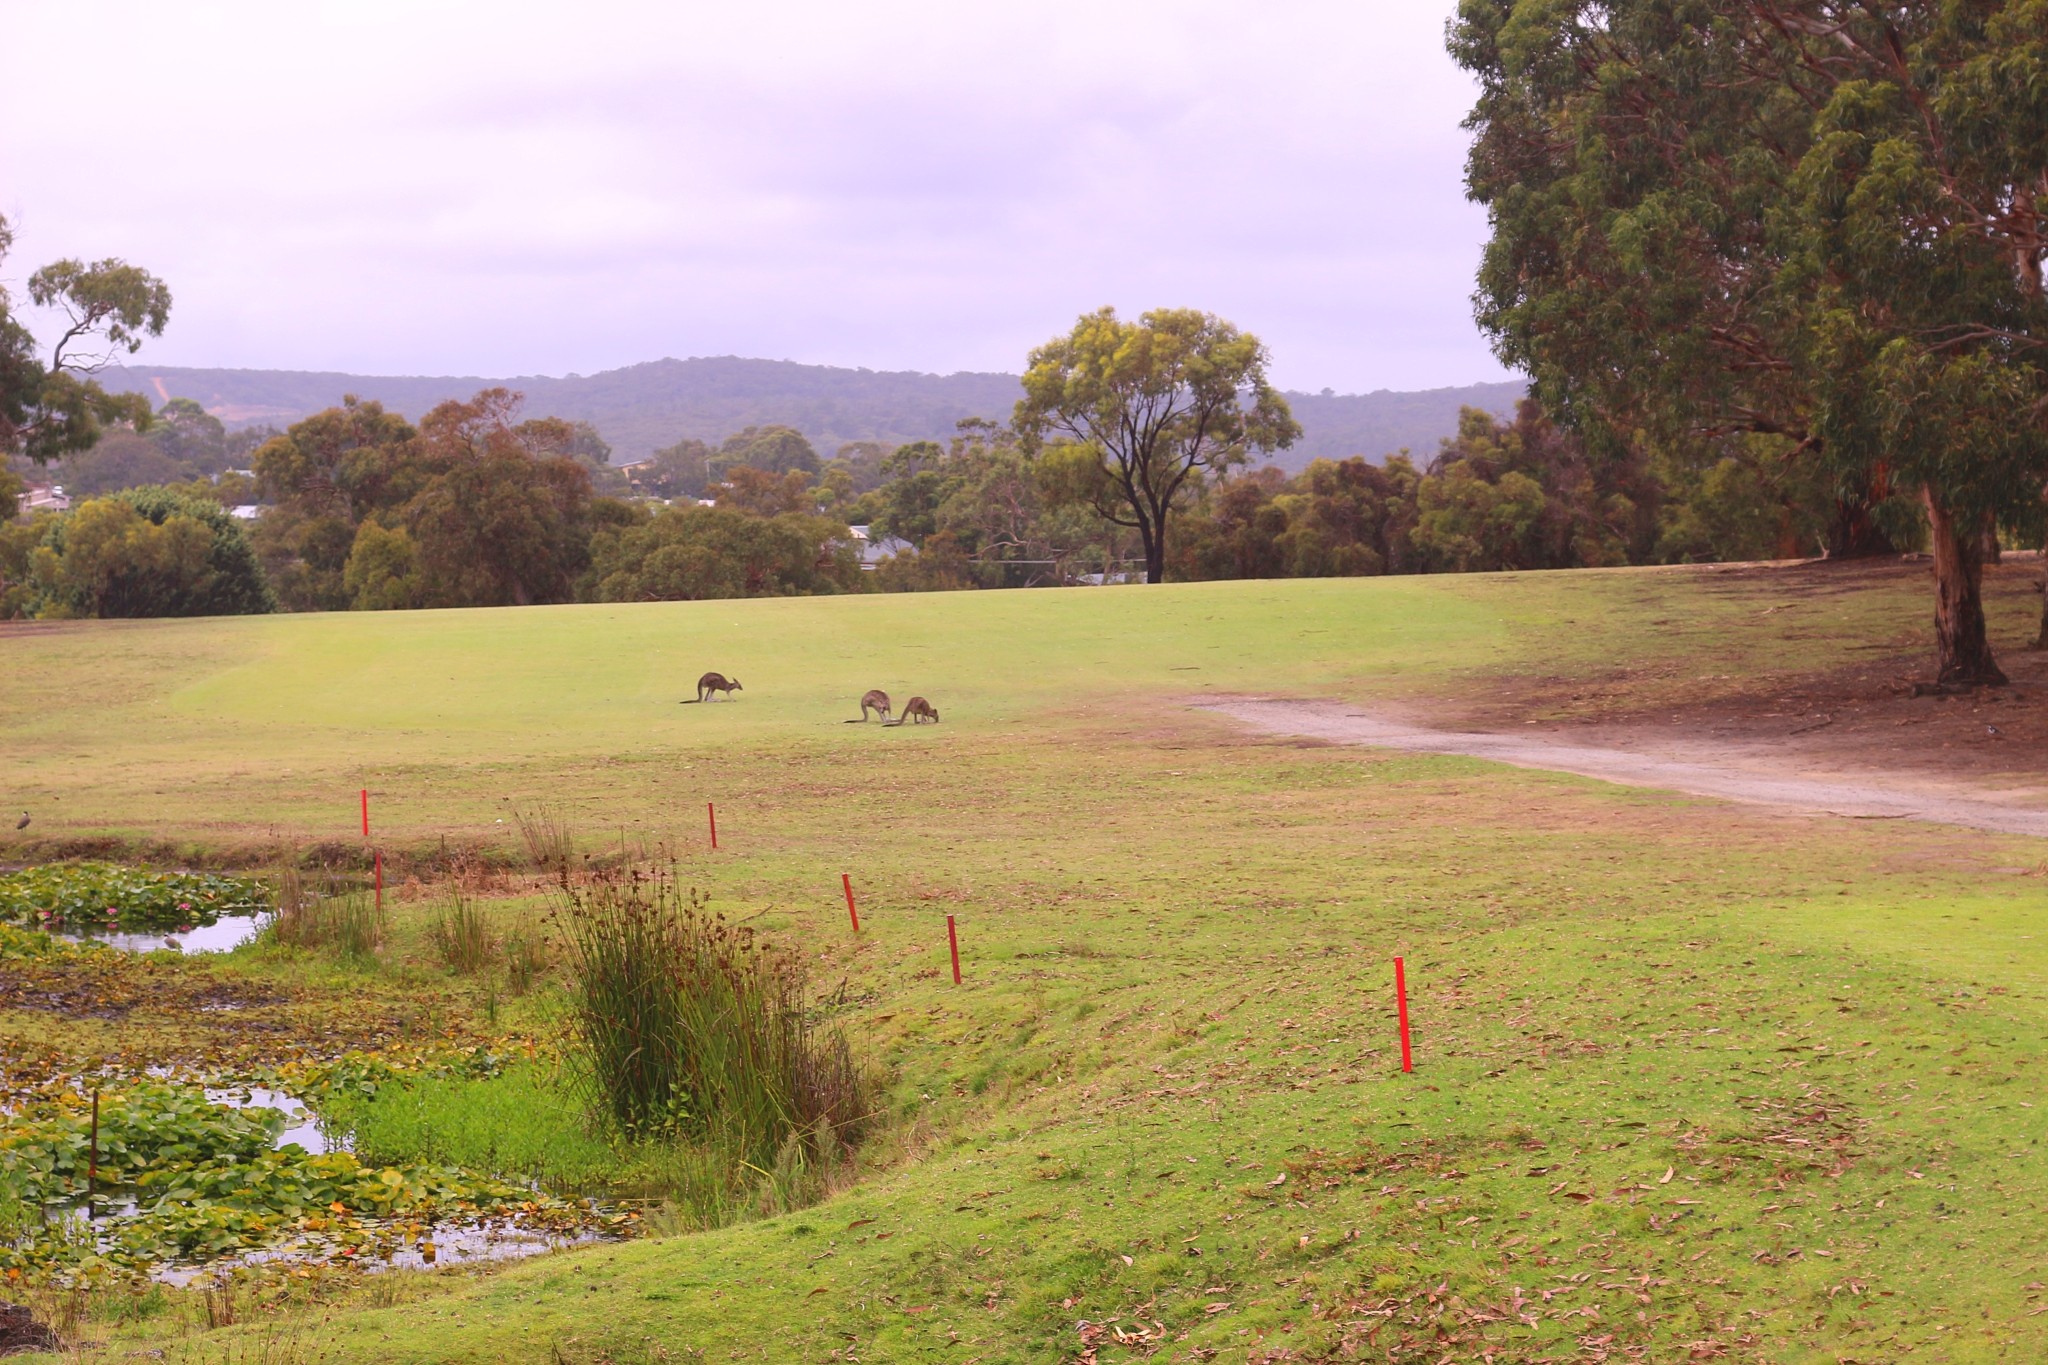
{"x":147,"y":552}
{"x":690,"y":1024}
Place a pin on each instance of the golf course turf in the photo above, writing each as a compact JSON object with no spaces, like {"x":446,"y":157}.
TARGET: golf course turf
{"x":1694,"y":1081}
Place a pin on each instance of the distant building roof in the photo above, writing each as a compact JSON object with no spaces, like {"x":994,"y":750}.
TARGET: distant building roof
{"x":247,"y":511}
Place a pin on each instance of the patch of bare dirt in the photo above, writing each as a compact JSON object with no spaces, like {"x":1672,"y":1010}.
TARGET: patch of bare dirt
{"x":1852,"y":739}
{"x":1859,"y":715}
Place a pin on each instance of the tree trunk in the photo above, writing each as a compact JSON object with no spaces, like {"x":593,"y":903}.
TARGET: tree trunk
{"x":1962,"y":650}
{"x":1853,"y":533}
{"x":2041,"y":641}
{"x":1153,"y":534}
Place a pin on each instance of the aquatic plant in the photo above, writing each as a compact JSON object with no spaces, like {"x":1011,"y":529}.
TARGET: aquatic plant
{"x":106,"y":896}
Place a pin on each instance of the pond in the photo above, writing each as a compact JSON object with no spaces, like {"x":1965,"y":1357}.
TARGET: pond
{"x":365,"y":1241}
{"x":304,"y":1130}
{"x":223,"y":935}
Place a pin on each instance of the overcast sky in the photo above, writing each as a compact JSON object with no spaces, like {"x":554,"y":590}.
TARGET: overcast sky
{"x":511,"y":188}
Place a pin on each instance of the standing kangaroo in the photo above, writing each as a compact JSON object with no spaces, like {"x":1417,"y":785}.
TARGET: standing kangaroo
{"x":716,"y":682}
{"x":917,"y":710}
{"x":877,"y":701}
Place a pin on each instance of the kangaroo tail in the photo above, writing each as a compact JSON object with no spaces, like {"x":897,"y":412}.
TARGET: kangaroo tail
{"x":690,"y":701}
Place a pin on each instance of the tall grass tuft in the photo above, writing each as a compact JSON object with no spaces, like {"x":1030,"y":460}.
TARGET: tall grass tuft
{"x":526,"y":958}
{"x":461,"y":934}
{"x":327,"y":913}
{"x":691,"y":1025}
{"x":550,"y":842}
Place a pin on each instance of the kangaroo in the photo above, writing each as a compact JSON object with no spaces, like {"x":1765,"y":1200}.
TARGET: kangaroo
{"x":917,"y":710}
{"x":877,"y":701}
{"x":716,"y":682}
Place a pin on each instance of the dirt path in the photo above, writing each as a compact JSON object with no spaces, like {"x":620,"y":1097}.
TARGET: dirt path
{"x":1734,"y":772}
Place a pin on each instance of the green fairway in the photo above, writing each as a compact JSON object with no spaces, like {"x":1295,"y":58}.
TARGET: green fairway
{"x":1695,"y":1082}
{"x":247,"y":729}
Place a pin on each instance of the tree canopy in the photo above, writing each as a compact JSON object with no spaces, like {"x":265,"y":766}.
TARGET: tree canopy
{"x":1157,"y":403}
{"x":1815,"y":228}
{"x":49,"y":407}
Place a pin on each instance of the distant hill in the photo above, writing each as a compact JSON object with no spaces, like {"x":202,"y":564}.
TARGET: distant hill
{"x":642,"y":408}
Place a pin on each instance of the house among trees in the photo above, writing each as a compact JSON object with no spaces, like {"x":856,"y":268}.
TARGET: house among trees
{"x":44,"y":497}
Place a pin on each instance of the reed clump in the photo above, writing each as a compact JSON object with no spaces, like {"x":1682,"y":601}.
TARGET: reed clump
{"x":691,"y":1025}
{"x":526,"y":960}
{"x":461,"y":934}
{"x":550,"y":841}
{"x":327,"y":912}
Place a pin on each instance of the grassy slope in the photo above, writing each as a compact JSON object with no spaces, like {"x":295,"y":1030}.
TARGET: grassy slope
{"x":1827,"y":1032}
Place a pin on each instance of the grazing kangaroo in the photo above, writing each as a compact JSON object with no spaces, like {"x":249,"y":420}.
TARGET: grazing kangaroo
{"x":877,"y":701}
{"x":917,"y":710}
{"x":716,"y":682}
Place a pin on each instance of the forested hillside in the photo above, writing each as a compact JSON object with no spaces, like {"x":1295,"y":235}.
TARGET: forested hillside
{"x":643,"y":408}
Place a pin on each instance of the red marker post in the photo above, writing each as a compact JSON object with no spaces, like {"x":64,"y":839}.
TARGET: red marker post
{"x":846,"y":880}
{"x":366,"y":812}
{"x":711,"y":814}
{"x":1401,"y":1001}
{"x":953,"y":942}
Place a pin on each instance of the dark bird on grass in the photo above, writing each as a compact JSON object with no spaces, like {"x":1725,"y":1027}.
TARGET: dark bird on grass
{"x":22,"y":823}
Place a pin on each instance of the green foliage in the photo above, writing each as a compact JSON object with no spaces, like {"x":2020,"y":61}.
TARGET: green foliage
{"x":382,"y":572}
{"x":1159,"y":401}
{"x":770,"y":449}
{"x":184,"y":444}
{"x":1501,"y":495}
{"x":207,"y":1181}
{"x":687,"y":1024}
{"x":517,"y":1125}
{"x":1714,"y":218}
{"x":48,"y":409}
{"x":104,"y":895}
{"x":327,"y":913}
{"x":145,"y":552}
{"x":686,"y":553}
{"x":461,"y":933}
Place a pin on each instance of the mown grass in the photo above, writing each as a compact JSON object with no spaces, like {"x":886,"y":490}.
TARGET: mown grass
{"x":1168,"y":1091}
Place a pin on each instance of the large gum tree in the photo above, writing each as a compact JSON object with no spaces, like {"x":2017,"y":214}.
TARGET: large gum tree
{"x":1815,"y":220}
{"x":50,"y":403}
{"x":1153,"y":405}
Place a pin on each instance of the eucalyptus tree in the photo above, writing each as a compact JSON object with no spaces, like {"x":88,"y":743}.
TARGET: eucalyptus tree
{"x":1154,"y":404}
{"x":52,"y":407}
{"x":1820,"y":221}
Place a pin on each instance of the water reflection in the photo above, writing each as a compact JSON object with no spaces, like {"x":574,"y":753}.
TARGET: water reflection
{"x":223,"y":935}
{"x":304,"y":1129}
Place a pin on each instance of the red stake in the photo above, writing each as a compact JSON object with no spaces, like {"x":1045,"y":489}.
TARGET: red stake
{"x":1401,"y":996}
{"x":953,"y":942}
{"x":846,"y":880}
{"x":92,"y":1169}
{"x":380,"y":879}
{"x":711,"y":814}
{"x":366,"y":812}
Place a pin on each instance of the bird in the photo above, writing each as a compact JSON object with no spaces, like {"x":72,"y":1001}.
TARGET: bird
{"x":1991,"y":730}
{"x":22,"y":823}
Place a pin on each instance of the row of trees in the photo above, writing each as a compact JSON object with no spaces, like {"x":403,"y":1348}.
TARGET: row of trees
{"x":475,"y":507}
